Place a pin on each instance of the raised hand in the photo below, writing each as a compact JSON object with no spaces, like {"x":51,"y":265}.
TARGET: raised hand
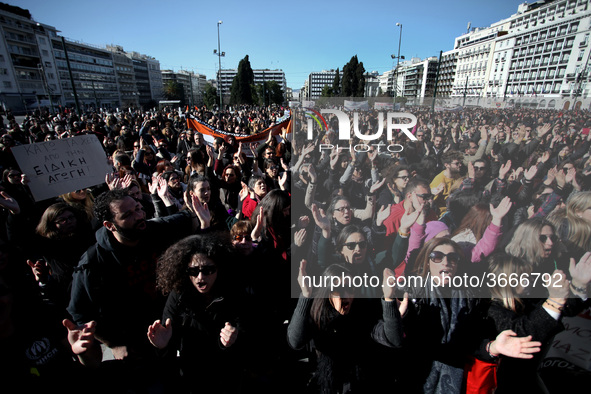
{"x":470,"y":170}
{"x":499,"y":212}
{"x":283,"y":180}
{"x":40,"y":269}
{"x":410,"y":216}
{"x":321,"y":220}
{"x":504,"y":169}
{"x":570,"y":175}
{"x":581,"y":272}
{"x":509,"y":344}
{"x":383,"y":214}
{"x":202,"y":211}
{"x":306,"y":290}
{"x":543,"y":130}
{"x":159,"y":335}
{"x":551,"y":175}
{"x":299,"y":237}
{"x":530,"y":173}
{"x":376,"y":186}
{"x":228,"y":335}
{"x":81,"y":337}
{"x":243,"y":193}
{"x":303,"y":221}
{"x":389,"y":285}
{"x":9,"y":203}
{"x":257,"y":230}
{"x":113,"y":181}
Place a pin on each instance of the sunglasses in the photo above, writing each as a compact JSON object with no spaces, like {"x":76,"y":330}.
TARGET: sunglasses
{"x":342,"y":209}
{"x":405,"y":178}
{"x":544,"y":238}
{"x":437,"y":257}
{"x":239,"y":237}
{"x":205,"y":270}
{"x":353,"y":245}
{"x":426,"y":196}
{"x":476,"y":168}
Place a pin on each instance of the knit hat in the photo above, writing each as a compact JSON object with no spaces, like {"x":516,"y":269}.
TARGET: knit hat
{"x":433,"y":228}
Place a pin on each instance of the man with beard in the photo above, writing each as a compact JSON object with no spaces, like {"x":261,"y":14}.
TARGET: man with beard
{"x":447,"y":180}
{"x":114,"y":283}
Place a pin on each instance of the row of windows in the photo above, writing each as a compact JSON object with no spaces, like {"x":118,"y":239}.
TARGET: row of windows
{"x":545,"y":34}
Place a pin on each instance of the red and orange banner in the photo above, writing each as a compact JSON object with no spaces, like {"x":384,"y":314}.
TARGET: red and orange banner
{"x":204,"y":128}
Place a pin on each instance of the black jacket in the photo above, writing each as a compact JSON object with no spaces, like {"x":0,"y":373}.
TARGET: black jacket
{"x":115,"y":285}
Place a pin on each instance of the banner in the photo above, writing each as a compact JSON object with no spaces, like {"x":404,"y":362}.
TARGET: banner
{"x":57,"y":167}
{"x":356,"y":105}
{"x":573,"y":345}
{"x":383,"y":106}
{"x":204,"y":128}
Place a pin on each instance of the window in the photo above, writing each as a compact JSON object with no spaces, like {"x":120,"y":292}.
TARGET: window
{"x":7,"y":84}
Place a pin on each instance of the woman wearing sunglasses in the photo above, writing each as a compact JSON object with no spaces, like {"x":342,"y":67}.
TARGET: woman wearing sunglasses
{"x":445,"y":324}
{"x":352,"y":249}
{"x":201,"y":317}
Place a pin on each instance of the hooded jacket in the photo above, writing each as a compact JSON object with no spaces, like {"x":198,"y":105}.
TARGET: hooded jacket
{"x":115,"y":285}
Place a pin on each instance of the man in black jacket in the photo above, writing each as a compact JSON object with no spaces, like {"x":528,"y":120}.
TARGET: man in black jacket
{"x":114,"y":283}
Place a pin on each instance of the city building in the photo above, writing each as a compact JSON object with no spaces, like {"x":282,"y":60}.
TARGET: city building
{"x":261,"y":76}
{"x":316,"y":82}
{"x":92,"y":72}
{"x":39,"y":68}
{"x":28,"y":76}
{"x":193,"y":85}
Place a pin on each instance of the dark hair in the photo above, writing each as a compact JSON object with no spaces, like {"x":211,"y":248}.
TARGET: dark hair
{"x":322,"y":310}
{"x":161,"y":165}
{"x":451,"y":155}
{"x":171,"y":271}
{"x":276,"y":224}
{"x":346,"y":233}
{"x":46,"y":227}
{"x":476,"y":220}
{"x":415,"y":182}
{"x":102,"y":204}
{"x":195,"y":179}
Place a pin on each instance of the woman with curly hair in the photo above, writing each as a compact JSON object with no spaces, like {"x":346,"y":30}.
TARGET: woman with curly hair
{"x":201,"y":319}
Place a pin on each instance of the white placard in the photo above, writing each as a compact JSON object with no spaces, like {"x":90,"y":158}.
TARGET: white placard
{"x":61,"y":166}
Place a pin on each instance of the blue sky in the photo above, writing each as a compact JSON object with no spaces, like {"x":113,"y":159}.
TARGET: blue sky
{"x":297,"y":37}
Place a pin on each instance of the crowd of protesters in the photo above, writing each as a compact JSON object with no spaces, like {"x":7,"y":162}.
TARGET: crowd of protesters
{"x":182,"y":263}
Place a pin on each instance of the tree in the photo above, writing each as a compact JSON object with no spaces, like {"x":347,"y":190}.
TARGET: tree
{"x":210,"y":96}
{"x":242,"y":88}
{"x":174,"y":91}
{"x":327,"y":91}
{"x":353,"y":84}
{"x":275,"y":92}
{"x":336,"y":84}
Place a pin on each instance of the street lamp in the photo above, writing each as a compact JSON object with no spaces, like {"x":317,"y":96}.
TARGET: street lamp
{"x":219,"y":53}
{"x":397,"y":61}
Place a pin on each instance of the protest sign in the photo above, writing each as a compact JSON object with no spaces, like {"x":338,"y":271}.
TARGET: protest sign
{"x":60,"y":166}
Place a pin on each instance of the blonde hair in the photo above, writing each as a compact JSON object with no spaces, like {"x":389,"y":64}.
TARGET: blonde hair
{"x":509,"y":266}
{"x":86,"y":206}
{"x":525,"y":242}
{"x":579,"y":230}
